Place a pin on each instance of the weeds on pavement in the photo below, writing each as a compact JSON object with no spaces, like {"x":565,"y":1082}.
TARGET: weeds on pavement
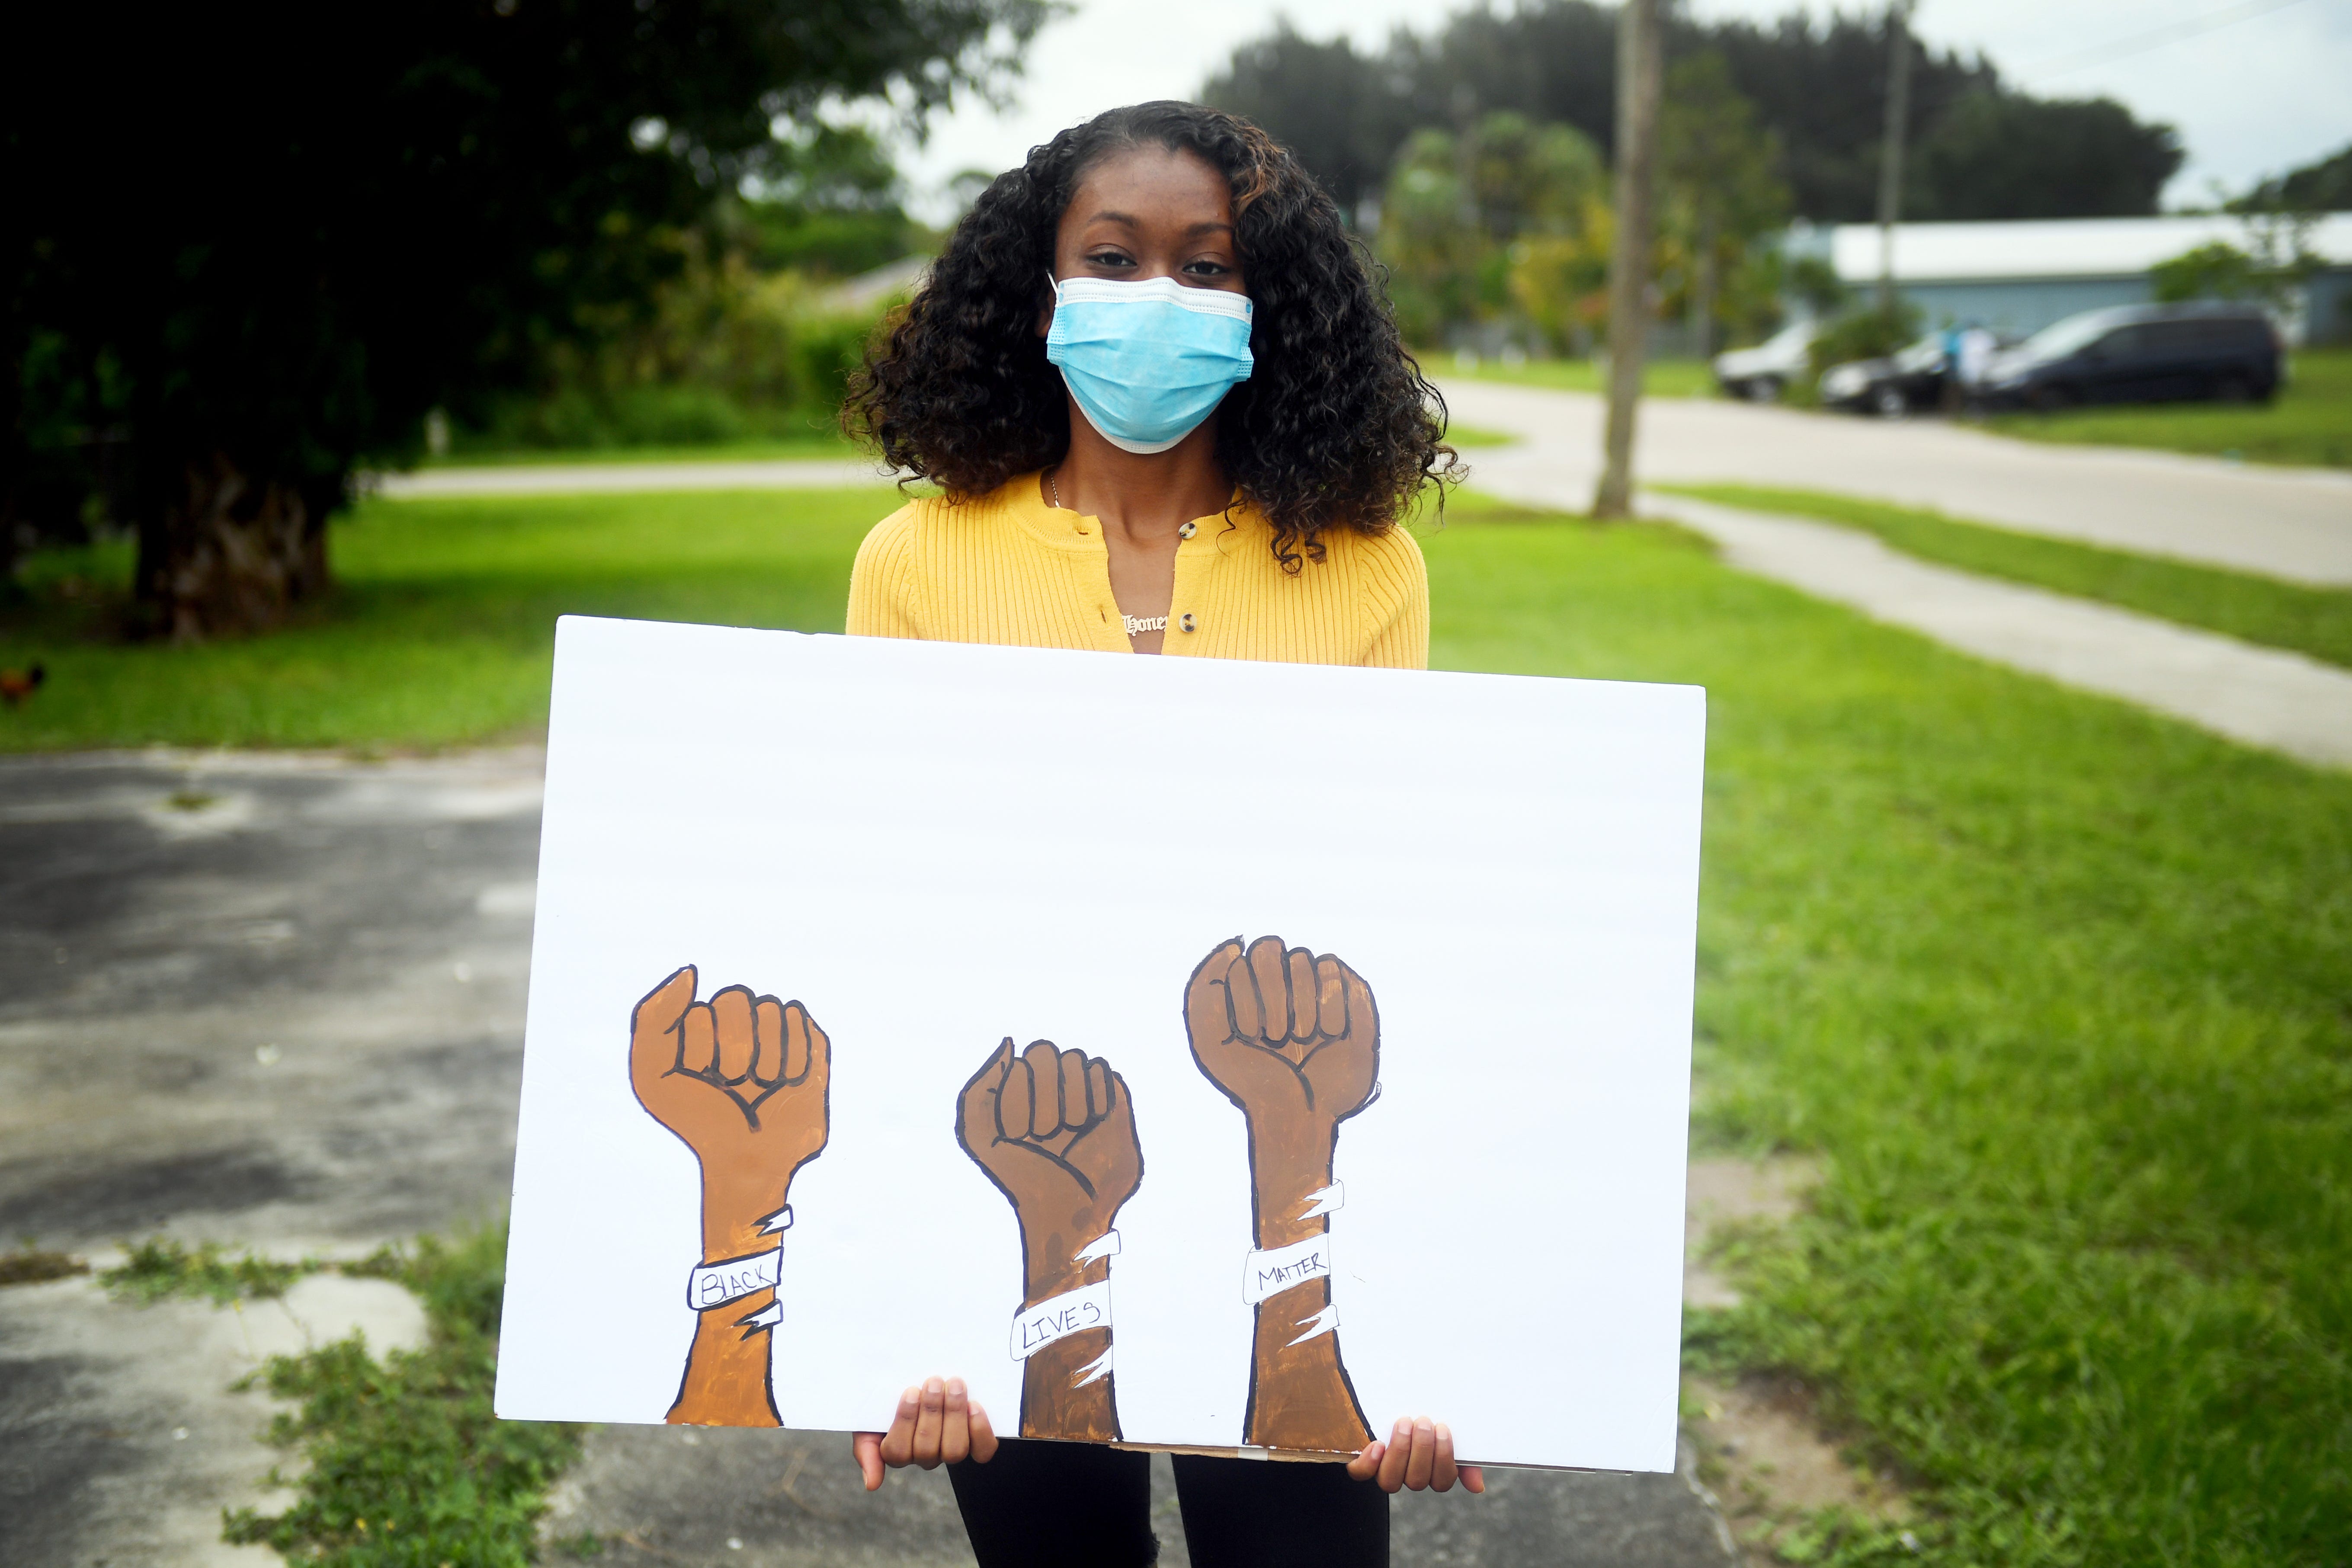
{"x":406,"y":1464}
{"x":29,"y":1265}
{"x":158,"y":1268}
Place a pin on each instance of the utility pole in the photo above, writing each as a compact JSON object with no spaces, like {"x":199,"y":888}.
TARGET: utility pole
{"x":1890,"y":156}
{"x":1640,"y":81}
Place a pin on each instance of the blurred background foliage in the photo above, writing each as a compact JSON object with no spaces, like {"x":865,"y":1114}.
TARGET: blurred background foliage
{"x":563,"y":228}
{"x":1476,"y":154}
{"x":1816,"y":83}
{"x":497,"y":219}
{"x":763,"y":314}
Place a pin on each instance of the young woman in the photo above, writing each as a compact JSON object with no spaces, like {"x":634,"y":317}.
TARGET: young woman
{"x":1169,"y":413}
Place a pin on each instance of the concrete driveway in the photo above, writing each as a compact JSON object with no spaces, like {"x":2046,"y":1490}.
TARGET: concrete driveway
{"x":277,"y":1002}
{"x":2283,"y":522}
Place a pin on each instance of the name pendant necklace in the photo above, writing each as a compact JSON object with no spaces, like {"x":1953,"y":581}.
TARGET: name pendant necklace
{"x":1136,"y":625}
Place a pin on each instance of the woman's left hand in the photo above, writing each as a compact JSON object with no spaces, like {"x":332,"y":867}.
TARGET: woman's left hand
{"x":1418,"y":1456}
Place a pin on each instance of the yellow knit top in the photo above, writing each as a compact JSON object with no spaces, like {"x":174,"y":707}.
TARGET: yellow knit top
{"x":1007,"y":568}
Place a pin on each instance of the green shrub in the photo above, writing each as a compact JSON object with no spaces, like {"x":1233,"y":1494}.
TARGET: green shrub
{"x":158,"y":1268}
{"x":729,"y":354}
{"x":1866,"y":333}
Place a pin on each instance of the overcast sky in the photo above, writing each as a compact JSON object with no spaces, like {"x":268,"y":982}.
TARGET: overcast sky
{"x":2253,"y":86}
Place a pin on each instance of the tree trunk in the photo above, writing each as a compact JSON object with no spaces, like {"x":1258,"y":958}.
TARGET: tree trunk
{"x":229,"y":553}
{"x":1703,"y":285}
{"x":1890,"y":153}
{"x":1640,"y":81}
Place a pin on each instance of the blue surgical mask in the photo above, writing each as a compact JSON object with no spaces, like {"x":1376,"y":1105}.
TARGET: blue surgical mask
{"x":1148,"y":360}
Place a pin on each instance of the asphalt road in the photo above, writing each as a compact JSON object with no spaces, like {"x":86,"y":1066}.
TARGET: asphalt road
{"x":277,"y":1002}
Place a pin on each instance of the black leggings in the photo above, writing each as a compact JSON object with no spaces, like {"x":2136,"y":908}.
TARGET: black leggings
{"x":1074,"y":1505}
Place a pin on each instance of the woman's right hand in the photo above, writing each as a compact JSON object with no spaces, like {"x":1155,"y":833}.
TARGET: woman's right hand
{"x":938,"y":1423}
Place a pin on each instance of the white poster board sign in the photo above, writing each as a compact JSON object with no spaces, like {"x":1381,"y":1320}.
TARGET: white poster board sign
{"x":1191,"y":1053}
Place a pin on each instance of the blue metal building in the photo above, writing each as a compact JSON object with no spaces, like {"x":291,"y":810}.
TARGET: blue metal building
{"x":2018,"y":278}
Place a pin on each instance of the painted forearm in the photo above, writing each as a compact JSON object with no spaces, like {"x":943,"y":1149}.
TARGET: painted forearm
{"x":728,"y":1372}
{"x":1066,"y":1385}
{"x":738,"y":1208}
{"x":1286,"y":1186}
{"x":1299,"y":1394}
{"x":1066,"y":1390}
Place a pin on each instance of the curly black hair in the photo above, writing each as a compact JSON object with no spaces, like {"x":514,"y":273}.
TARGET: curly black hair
{"x":1336,"y":427}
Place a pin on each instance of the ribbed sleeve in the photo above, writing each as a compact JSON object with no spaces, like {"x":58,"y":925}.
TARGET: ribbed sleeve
{"x":883,"y":592}
{"x":1396,"y":601}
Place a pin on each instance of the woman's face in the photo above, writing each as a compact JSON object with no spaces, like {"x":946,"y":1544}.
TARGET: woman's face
{"x":1150,"y":213}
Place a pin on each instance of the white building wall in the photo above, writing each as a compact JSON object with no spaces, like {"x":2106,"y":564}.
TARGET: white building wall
{"x":2021,"y":277}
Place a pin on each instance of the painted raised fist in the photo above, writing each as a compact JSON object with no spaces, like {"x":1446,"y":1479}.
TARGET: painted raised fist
{"x":1286,"y":1034}
{"x":743,"y":1080}
{"x":1056,"y":1132}
{"x":1294,"y":1040}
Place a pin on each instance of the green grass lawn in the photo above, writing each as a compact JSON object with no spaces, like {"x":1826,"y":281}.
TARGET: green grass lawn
{"x":2314,"y":621}
{"x":2055,"y":989}
{"x":817,"y":444}
{"x":440,"y":629}
{"x":1660,"y":378}
{"x":2310,"y":423}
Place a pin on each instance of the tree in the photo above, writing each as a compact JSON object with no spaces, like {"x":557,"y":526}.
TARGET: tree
{"x":2271,"y":269}
{"x":2324,"y":186}
{"x":1720,"y":172}
{"x":257,"y":243}
{"x":834,"y":205}
{"x":1462,"y":213}
{"x":1818,"y":82}
{"x":1639,"y":80}
{"x":1823,"y":89}
{"x":1323,"y":101}
{"x":2002,"y":155}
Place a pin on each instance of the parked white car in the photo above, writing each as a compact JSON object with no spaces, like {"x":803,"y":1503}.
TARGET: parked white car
{"x":1762,"y":373}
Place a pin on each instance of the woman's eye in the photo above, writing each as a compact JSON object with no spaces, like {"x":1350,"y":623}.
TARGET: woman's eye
{"x":1108,"y":258}
{"x":1207,"y":268}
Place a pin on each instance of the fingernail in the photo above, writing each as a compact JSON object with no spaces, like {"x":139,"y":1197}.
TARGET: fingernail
{"x":1404,"y":1426}
{"x":955,"y":1386}
{"x":911,"y":1397}
{"x":933,"y":1385}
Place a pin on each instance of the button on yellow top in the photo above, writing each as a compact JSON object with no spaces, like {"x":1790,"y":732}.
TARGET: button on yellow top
{"x":1008,"y":568}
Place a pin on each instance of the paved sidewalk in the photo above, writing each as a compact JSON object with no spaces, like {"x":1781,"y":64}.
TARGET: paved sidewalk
{"x":2264,"y":697}
{"x":276,"y":1000}
{"x":2291,"y":523}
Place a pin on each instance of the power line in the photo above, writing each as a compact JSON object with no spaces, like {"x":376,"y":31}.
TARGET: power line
{"x":2156,"y":39}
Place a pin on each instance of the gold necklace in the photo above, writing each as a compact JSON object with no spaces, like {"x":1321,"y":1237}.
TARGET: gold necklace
{"x":1136,"y":625}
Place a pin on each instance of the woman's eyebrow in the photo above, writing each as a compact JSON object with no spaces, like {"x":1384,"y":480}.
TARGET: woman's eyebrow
{"x":1130,"y":220}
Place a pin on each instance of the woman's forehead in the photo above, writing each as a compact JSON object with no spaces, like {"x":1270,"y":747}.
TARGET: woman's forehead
{"x":1137,"y":181}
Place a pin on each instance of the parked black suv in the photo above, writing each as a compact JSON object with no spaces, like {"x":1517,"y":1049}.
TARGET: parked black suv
{"x":2140,"y":353}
